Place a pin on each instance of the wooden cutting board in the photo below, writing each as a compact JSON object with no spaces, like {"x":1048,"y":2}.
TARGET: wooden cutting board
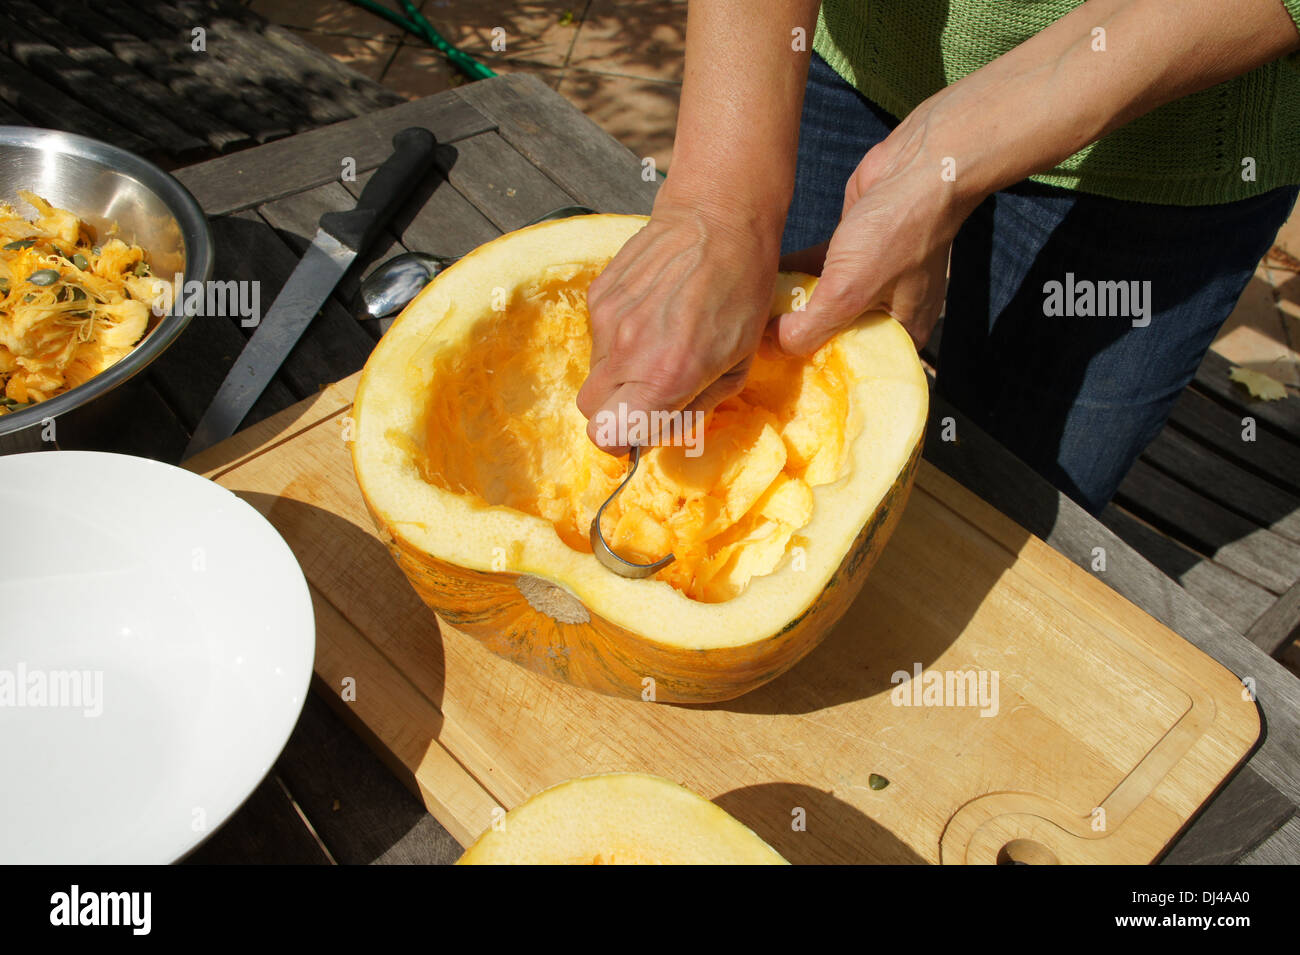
{"x":1106,"y":733}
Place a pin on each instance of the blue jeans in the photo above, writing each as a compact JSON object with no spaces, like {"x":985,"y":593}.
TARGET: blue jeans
{"x":1076,"y":396}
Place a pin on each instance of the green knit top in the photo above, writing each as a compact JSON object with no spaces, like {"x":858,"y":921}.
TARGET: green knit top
{"x":1194,"y":151}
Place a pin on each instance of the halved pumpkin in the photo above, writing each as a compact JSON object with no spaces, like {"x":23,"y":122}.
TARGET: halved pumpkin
{"x":474,"y":462}
{"x":619,"y":819}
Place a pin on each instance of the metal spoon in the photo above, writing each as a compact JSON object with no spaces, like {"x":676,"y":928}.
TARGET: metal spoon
{"x":605,"y":554}
{"x":390,"y":287}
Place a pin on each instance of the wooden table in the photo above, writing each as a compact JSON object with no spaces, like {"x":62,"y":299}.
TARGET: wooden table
{"x":513,"y":150}
{"x":135,"y":73}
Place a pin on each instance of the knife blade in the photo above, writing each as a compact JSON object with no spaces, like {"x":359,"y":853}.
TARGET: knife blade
{"x":342,"y":236}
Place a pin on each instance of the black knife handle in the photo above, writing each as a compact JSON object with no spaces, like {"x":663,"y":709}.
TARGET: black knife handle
{"x":392,"y":182}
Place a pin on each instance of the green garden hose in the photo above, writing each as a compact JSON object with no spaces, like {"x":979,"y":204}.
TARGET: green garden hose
{"x":414,"y":22}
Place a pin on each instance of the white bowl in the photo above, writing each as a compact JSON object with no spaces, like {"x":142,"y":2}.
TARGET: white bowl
{"x":184,"y":629}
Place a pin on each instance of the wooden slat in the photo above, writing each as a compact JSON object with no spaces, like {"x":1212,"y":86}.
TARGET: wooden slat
{"x":1238,"y":544}
{"x":359,"y":90}
{"x":400,"y":722}
{"x":1282,"y":415}
{"x":51,"y":108}
{"x":158,"y":62}
{"x":578,"y":155}
{"x":997,"y":476}
{"x":1270,"y":456}
{"x":359,"y":809}
{"x":11,"y":117}
{"x":438,"y":219}
{"x":267,"y":828}
{"x":370,"y":92}
{"x":252,"y":441}
{"x":295,"y":80}
{"x":314,"y":158}
{"x":87,"y":53}
{"x":502,"y":184}
{"x":215,"y":70}
{"x":1281,"y":848}
{"x":83,"y":84}
{"x":1279,"y":624}
{"x":1234,"y":598}
{"x":133,"y":418}
{"x":1242,"y":814}
{"x":1214,"y":477}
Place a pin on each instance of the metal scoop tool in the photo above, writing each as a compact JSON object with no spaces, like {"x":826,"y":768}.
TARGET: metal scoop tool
{"x":610,"y":560}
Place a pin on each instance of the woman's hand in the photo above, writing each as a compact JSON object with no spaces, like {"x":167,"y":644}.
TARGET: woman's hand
{"x":677,"y":315}
{"x":890,"y":249}
{"x":1021,"y":114}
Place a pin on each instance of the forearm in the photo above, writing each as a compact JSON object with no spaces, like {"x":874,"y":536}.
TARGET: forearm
{"x":738,"y":123}
{"x":1049,"y":97}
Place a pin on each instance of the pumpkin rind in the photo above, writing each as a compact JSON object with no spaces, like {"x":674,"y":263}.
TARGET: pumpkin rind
{"x":605,"y":657}
{"x":530,"y":612}
{"x":619,"y":818}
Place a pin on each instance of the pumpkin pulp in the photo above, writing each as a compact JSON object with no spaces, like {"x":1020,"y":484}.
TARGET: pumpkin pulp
{"x":502,"y":428}
{"x":619,"y":819}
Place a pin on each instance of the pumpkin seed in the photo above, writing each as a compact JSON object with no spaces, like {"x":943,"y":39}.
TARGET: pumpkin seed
{"x":4,"y":286}
{"x":876,"y":781}
{"x":17,"y":244}
{"x":44,"y":277}
{"x":141,"y":269}
{"x":94,"y":250}
{"x":80,"y":262}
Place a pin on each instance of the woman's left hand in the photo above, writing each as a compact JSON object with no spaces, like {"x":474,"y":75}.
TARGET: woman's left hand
{"x":890,"y":249}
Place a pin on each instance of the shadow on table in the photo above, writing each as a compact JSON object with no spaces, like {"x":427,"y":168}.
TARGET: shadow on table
{"x":914,"y":605}
{"x":329,"y":769}
{"x":932,"y":577}
{"x":833,"y":831}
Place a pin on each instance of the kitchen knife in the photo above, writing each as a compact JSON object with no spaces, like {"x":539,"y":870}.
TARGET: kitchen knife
{"x":342,"y":236}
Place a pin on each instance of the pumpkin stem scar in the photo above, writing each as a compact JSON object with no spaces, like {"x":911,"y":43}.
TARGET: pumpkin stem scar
{"x":552,"y":600}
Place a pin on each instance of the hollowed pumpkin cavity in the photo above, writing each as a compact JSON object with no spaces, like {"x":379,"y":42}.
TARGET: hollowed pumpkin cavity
{"x":502,"y":427}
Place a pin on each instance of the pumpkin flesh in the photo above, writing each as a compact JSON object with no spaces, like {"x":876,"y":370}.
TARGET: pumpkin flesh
{"x":503,"y":429}
{"x":475,"y":466}
{"x":619,"y":819}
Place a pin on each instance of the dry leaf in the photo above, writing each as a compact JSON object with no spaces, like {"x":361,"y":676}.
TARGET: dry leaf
{"x":1259,"y":385}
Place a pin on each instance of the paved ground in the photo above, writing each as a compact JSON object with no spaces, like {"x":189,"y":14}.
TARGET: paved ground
{"x":620,"y":61}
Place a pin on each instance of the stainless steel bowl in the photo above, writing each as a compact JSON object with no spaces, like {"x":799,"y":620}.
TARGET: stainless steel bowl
{"x":105,"y":185}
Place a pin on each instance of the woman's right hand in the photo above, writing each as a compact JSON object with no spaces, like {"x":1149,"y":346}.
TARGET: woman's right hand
{"x":677,"y":315}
